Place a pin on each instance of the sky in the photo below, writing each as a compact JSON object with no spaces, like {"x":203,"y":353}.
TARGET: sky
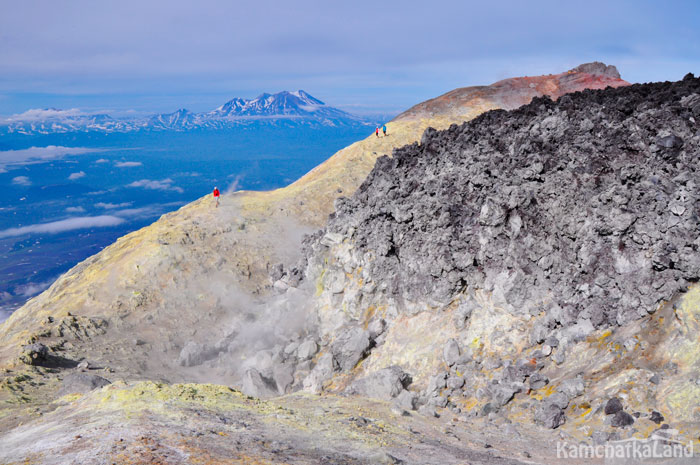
{"x":137,"y":57}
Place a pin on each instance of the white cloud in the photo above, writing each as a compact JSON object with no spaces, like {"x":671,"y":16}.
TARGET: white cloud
{"x":107,"y":206}
{"x":78,"y":175}
{"x":75,"y":210}
{"x":127,"y":164}
{"x":37,"y":114}
{"x":102,"y":160}
{"x":164,"y":185}
{"x":69,"y":224}
{"x":21,"y":181}
{"x":40,"y":154}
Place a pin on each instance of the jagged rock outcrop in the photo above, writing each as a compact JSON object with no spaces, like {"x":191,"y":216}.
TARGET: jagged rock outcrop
{"x":518,"y":256}
{"x":592,"y":200}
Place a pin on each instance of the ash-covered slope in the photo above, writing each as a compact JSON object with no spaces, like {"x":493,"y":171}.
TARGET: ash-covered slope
{"x":513,"y":92}
{"x":589,"y":204}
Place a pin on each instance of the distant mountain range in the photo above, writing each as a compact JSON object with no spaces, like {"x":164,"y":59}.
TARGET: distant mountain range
{"x":281,"y":109}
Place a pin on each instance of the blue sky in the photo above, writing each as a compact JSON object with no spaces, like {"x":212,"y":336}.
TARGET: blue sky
{"x":366,"y":57}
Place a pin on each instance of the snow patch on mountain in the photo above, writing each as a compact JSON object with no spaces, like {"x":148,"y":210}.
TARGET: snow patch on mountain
{"x":298,"y":108}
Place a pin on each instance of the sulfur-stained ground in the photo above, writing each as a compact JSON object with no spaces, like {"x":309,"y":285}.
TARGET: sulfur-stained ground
{"x":148,"y":422}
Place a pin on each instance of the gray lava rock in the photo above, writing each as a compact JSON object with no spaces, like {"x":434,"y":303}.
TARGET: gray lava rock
{"x":291,"y":348}
{"x":255,"y":385}
{"x":622,"y":419}
{"x":322,"y":372}
{"x":194,"y":354}
{"x":550,"y":416}
{"x":537,"y":381}
{"x":428,"y":411}
{"x":383,"y":458}
{"x":406,"y":400}
{"x":283,"y":376}
{"x":436,"y":384}
{"x":572,"y":387}
{"x":600,"y":437}
{"x":81,"y":383}
{"x":670,"y":142}
{"x":376,"y":328}
{"x":613,"y":406}
{"x":559,"y":399}
{"x":307,"y":350}
{"x":455,"y":382}
{"x":350,"y":347}
{"x":474,"y":188}
{"x":34,"y":354}
{"x":502,"y":393}
{"x":451,"y":352}
{"x":383,"y":384}
{"x":656,"y":417}
{"x":439,"y":402}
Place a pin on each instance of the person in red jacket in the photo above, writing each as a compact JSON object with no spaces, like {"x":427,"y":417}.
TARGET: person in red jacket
{"x":216,"y":196}
{"x":376,"y":132}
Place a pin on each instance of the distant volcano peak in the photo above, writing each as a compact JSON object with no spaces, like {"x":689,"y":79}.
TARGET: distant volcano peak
{"x":597,"y":68}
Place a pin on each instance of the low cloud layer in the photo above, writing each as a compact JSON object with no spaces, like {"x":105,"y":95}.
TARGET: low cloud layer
{"x":21,"y":181}
{"x":37,"y":114}
{"x":127,"y":164}
{"x":78,"y":175}
{"x":75,"y":210}
{"x":162,"y":185}
{"x":109,"y":206}
{"x":40,"y":154}
{"x":54,"y":227}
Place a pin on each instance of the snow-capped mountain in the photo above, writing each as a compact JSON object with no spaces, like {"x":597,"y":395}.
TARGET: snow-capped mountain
{"x":181,"y":119}
{"x":284,"y":108}
{"x":51,"y":121}
{"x":289,"y":104}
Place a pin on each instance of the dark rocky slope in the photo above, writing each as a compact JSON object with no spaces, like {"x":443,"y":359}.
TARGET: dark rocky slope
{"x":592,"y":200}
{"x":525,"y":267}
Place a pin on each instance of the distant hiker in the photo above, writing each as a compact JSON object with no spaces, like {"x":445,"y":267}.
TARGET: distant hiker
{"x":384,"y":130}
{"x":216,"y":196}
{"x":377,"y":132}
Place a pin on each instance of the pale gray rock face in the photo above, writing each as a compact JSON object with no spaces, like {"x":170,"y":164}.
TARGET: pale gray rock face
{"x":451,"y":352}
{"x":80,"y":383}
{"x":255,"y":385}
{"x":322,"y":371}
{"x":195,"y":353}
{"x":383,"y":384}
{"x":307,"y":350}
{"x":350,"y":347}
{"x":550,"y":416}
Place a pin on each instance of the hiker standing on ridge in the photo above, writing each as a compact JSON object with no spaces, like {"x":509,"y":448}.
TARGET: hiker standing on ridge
{"x":384,"y":129}
{"x":216,"y":196}
{"x":377,"y":132}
